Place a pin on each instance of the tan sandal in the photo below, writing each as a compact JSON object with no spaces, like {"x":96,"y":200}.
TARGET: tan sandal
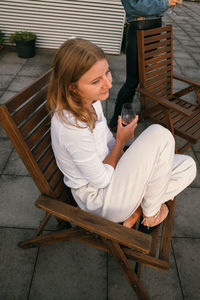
{"x":157,"y":218}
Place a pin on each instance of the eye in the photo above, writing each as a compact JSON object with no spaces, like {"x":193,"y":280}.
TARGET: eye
{"x":95,"y":82}
{"x":108,"y":72}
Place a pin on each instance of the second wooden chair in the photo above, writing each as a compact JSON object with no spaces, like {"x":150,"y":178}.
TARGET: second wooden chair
{"x":159,"y":104}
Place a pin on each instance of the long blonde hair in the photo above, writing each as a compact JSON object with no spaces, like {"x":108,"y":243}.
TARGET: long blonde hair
{"x":74,"y":58}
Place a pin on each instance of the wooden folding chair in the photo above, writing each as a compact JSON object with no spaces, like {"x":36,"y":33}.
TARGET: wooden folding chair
{"x":159,"y":104}
{"x":27,"y":124}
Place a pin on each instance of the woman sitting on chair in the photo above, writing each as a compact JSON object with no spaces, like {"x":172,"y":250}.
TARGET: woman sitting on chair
{"x":105,"y":180}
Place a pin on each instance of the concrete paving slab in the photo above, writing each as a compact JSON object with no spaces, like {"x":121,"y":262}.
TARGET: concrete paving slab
{"x":6,"y":96}
{"x":18,"y":195}
{"x":187,"y":260}
{"x":15,"y":166}
{"x":158,"y":284}
{"x":10,"y":69}
{"x":5,"y":80}
{"x":198,"y":156}
{"x":6,"y":148}
{"x":43,"y":56}
{"x":186,"y":219}
{"x":192,"y":73}
{"x":185,"y":63}
{"x":70,"y":271}
{"x":19,"y":83}
{"x":196,"y":182}
{"x":2,"y":133}
{"x":34,"y":70}
{"x":17,"y":265}
{"x":118,"y":286}
{"x":9,"y":55}
{"x":162,"y":285}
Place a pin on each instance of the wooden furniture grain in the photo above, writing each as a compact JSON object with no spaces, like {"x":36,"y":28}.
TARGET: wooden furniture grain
{"x":27,"y":124}
{"x":159,"y":104}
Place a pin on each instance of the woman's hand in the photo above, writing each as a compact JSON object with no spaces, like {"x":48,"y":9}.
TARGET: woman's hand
{"x":173,"y":2}
{"x":124,"y":134}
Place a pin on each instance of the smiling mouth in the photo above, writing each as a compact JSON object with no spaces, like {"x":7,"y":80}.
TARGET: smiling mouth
{"x":105,"y":92}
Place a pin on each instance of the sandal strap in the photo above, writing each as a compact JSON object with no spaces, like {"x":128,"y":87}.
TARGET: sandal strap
{"x":148,"y":218}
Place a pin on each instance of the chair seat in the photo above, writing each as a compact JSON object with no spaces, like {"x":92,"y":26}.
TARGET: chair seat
{"x":185,"y":127}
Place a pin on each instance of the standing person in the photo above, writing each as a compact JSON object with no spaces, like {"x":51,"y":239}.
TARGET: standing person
{"x":141,"y":15}
{"x":103,"y":179}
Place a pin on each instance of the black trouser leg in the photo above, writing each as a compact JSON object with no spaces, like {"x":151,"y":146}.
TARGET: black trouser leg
{"x":127,"y":91}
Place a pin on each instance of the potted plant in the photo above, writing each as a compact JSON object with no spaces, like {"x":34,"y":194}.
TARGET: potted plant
{"x":1,"y":39}
{"x":25,"y":43}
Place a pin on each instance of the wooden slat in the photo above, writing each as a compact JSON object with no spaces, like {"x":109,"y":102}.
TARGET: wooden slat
{"x":156,"y":66}
{"x":160,"y":83}
{"x":28,"y":92}
{"x":157,"y":30}
{"x":105,"y":228}
{"x":56,"y":178}
{"x":140,"y":36}
{"x":30,"y":107}
{"x":164,"y":102}
{"x":188,"y":126}
{"x":165,"y":244}
{"x":51,"y":169}
{"x":157,"y":45}
{"x":24,"y":152}
{"x":58,"y":189}
{"x":184,"y":91}
{"x":33,"y":121}
{"x":42,"y":145}
{"x":187,"y":80}
{"x":39,"y":132}
{"x":46,"y":158}
{"x":166,"y":93}
{"x":159,"y":51}
{"x":158,"y":75}
{"x":156,"y":38}
{"x":162,"y":89}
{"x":155,"y":60}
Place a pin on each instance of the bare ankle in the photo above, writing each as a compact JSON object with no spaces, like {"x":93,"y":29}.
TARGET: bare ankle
{"x":132,"y":220}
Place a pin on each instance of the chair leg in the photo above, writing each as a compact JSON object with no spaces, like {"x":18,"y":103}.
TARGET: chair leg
{"x":138,"y":269}
{"x":53,"y":238}
{"x":42,"y":225}
{"x":127,"y":269}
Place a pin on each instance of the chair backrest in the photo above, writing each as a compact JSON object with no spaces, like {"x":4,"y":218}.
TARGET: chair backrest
{"x":155,"y":60}
{"x":27,"y":124}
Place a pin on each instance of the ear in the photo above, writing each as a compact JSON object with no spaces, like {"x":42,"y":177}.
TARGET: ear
{"x":72,"y":87}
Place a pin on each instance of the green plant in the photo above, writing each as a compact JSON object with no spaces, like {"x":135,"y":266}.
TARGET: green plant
{"x":22,"y":36}
{"x":1,"y":37}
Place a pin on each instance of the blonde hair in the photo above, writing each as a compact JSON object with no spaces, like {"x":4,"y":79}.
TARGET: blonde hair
{"x":74,"y":58}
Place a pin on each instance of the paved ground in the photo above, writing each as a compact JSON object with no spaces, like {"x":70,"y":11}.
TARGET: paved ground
{"x":76,"y":272}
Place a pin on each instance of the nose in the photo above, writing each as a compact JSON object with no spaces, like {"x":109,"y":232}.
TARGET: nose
{"x":107,"y":82}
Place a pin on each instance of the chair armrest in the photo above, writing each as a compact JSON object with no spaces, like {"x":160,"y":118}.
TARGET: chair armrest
{"x":187,"y":80}
{"x":98,"y":225}
{"x":165,"y":102}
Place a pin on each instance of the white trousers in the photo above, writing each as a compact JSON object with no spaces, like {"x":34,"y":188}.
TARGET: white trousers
{"x":149,"y":173}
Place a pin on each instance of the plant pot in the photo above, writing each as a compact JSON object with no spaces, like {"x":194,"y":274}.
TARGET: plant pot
{"x":25,"y":49}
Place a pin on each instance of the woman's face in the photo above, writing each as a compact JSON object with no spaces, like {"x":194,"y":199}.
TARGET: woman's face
{"x":95,"y":83}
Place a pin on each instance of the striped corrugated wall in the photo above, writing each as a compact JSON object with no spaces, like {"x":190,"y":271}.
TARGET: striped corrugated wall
{"x":55,"y":21}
